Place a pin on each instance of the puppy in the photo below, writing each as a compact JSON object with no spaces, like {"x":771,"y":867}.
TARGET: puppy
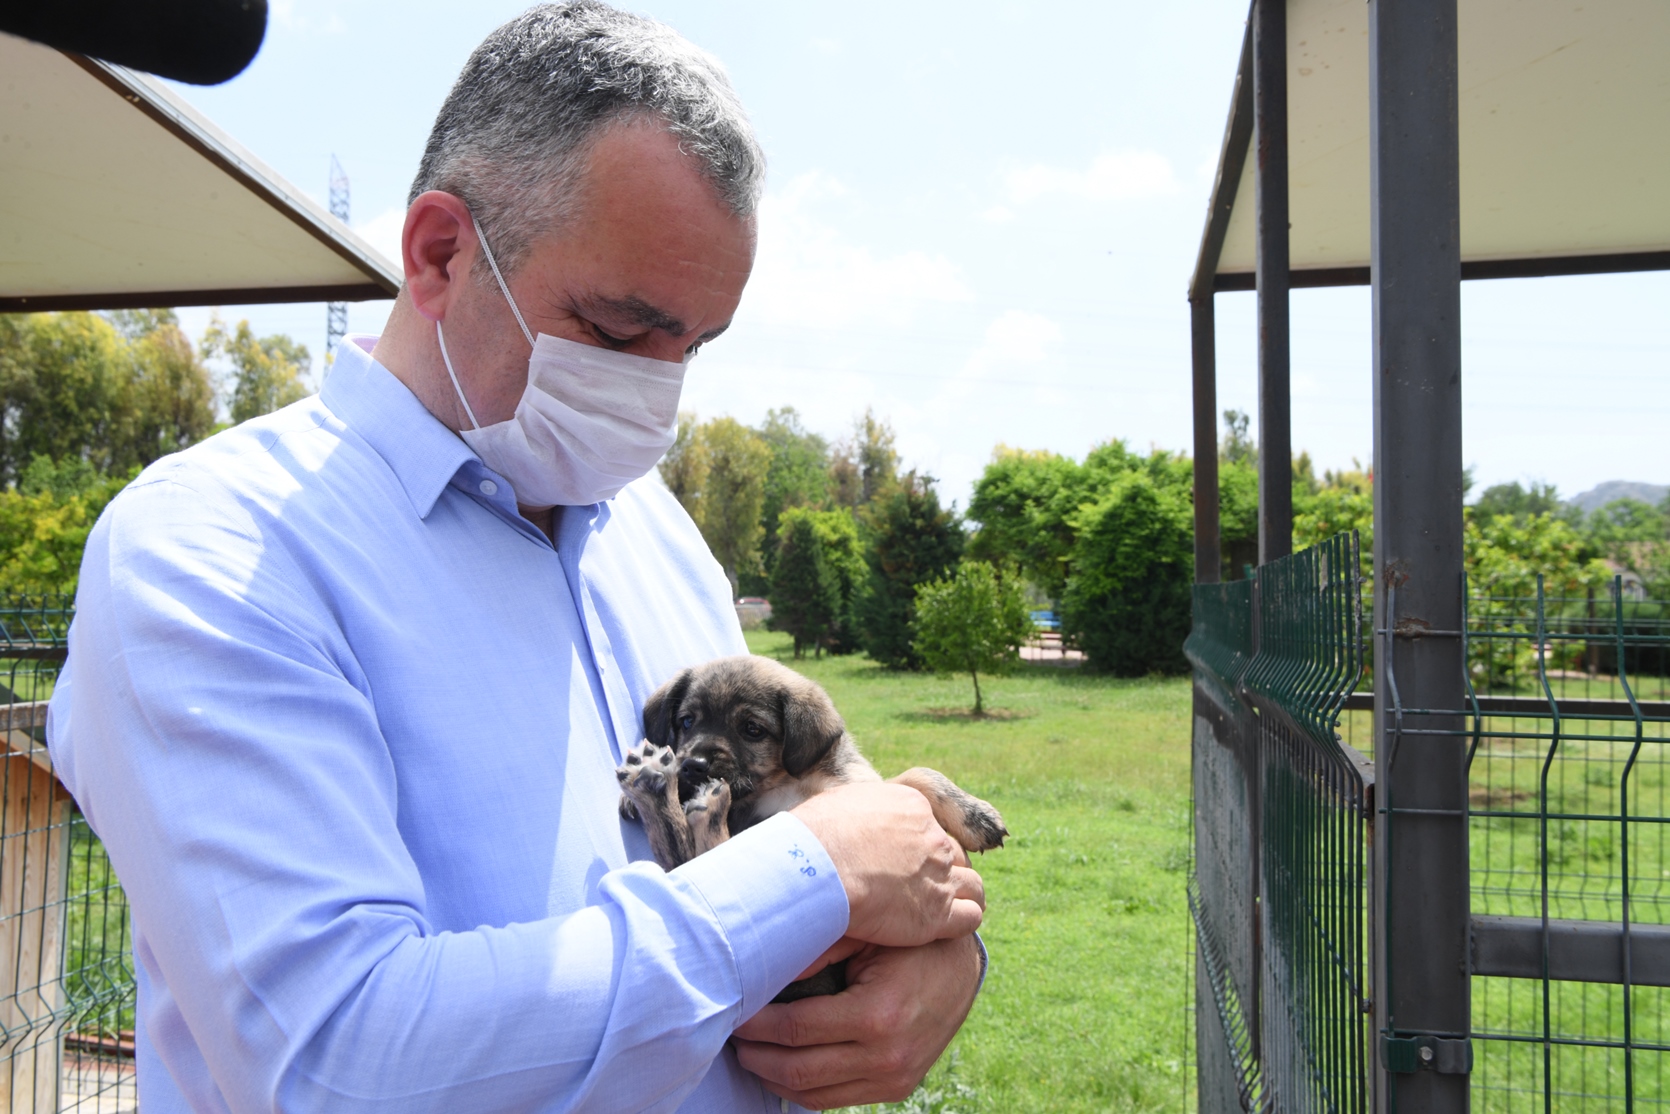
{"x":731,"y":742}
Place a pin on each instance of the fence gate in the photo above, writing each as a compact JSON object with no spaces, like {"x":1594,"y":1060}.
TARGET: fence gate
{"x":66,"y":977}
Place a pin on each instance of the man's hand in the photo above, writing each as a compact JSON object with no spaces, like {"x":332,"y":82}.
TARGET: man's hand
{"x":874,"y":1041}
{"x":907,"y":882}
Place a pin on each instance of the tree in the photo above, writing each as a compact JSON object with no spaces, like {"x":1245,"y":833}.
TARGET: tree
{"x":825,"y":554}
{"x":1025,"y":503}
{"x":1631,"y":533}
{"x":731,"y":498}
{"x":846,"y":480}
{"x":684,"y":468}
{"x":1127,"y":603}
{"x":1515,"y":501}
{"x":843,"y":549}
{"x":1504,"y":556}
{"x":171,"y":397}
{"x":1343,"y":501}
{"x":45,"y":520}
{"x":878,"y":461}
{"x":805,"y":588}
{"x":60,"y":389}
{"x":266,"y":371}
{"x":115,"y":392}
{"x":972,"y":622}
{"x":798,"y":475}
{"x":1238,"y":447}
{"x":1237,"y":516}
{"x":866,"y":465}
{"x":911,"y":540}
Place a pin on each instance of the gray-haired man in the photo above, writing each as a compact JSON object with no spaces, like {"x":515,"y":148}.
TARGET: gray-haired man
{"x":348,"y":683}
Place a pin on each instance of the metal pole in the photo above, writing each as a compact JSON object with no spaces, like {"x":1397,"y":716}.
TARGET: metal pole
{"x":1275,"y":409}
{"x":1420,"y":914}
{"x":1203,"y":340}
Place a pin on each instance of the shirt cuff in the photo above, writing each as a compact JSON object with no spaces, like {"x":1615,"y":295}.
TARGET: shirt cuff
{"x":777,"y":898}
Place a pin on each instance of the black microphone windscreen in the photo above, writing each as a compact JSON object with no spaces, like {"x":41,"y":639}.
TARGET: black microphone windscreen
{"x":203,"y":42}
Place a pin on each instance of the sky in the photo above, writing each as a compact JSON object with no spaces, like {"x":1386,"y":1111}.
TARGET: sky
{"x":980,"y":220}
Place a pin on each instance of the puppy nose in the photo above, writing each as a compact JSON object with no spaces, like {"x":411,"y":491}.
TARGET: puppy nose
{"x":694,"y":765}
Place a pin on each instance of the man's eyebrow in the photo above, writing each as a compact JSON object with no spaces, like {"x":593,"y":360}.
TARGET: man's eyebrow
{"x":639,"y":312}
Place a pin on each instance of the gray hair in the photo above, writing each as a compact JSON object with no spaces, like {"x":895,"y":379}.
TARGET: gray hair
{"x":514,"y":132}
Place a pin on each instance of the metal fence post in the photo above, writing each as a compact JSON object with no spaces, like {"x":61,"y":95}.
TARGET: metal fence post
{"x":1203,"y":340}
{"x":1420,"y":910}
{"x":1275,"y":408}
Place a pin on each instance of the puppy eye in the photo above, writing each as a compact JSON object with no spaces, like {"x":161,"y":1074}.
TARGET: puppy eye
{"x":752,"y":729}
{"x":687,"y":722}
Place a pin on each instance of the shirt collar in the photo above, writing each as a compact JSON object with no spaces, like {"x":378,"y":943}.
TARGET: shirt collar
{"x":423,"y":454}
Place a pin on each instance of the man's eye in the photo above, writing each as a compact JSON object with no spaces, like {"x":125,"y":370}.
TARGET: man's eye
{"x":687,"y":722}
{"x":752,"y":729}
{"x":609,"y":338}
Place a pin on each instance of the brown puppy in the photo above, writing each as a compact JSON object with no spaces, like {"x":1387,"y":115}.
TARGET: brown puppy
{"x":731,"y":742}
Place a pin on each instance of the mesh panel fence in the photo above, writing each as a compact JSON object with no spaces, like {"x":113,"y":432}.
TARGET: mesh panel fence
{"x":66,"y":977}
{"x":1281,"y":807}
{"x":1566,"y":789}
{"x":1567,"y":719}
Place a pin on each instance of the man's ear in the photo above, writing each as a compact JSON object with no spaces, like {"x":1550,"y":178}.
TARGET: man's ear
{"x":663,"y":705}
{"x":811,"y":726}
{"x":438,"y":247}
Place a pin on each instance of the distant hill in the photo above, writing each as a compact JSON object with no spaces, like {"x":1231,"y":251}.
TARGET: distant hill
{"x":1603,"y":494}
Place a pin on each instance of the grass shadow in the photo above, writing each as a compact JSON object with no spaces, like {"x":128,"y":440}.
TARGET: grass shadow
{"x":965,"y":715}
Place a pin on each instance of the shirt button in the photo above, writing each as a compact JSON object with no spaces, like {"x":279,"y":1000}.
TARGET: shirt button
{"x":488,"y":487}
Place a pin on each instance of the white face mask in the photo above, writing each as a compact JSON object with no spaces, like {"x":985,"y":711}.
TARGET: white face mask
{"x":590,"y":422}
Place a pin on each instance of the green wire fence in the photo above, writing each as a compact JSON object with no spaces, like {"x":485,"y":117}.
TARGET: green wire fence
{"x":66,"y":973}
{"x":1567,"y":717}
{"x":1282,"y":809}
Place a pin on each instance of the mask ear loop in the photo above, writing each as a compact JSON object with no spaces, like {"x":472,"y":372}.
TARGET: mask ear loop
{"x":446,"y":359}
{"x":505,"y":290}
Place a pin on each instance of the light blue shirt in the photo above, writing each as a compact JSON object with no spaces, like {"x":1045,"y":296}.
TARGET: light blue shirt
{"x":348,"y":724}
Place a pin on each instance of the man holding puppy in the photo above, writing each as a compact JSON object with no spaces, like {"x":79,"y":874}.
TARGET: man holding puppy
{"x":348,"y":684}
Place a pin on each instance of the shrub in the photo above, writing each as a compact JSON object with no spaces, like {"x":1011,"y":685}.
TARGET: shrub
{"x":45,"y":520}
{"x":805,"y":592}
{"x":1127,"y":603}
{"x":973,"y":622}
{"x":815,"y":576}
{"x":911,"y":540}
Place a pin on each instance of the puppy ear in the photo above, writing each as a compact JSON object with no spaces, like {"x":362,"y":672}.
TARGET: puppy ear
{"x":662,"y":706}
{"x":811,"y":726}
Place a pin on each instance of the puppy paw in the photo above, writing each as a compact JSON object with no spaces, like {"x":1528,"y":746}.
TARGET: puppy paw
{"x":648,"y":779}
{"x":966,"y":818}
{"x":706,"y":811}
{"x":982,"y":824}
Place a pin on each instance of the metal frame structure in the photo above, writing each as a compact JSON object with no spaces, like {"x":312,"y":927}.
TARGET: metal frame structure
{"x":1426,"y":944}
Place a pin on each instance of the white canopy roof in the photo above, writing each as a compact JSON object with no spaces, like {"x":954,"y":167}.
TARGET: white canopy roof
{"x":115,"y":193}
{"x":1565,"y":143}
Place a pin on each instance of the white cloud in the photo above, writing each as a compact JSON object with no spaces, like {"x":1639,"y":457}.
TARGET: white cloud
{"x":383,"y":233}
{"x":809,"y":274}
{"x":998,"y":214}
{"x":1017,"y":337}
{"x":1115,"y":176}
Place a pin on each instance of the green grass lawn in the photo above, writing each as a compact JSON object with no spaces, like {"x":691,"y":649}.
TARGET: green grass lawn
{"x":1086,"y":1005}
